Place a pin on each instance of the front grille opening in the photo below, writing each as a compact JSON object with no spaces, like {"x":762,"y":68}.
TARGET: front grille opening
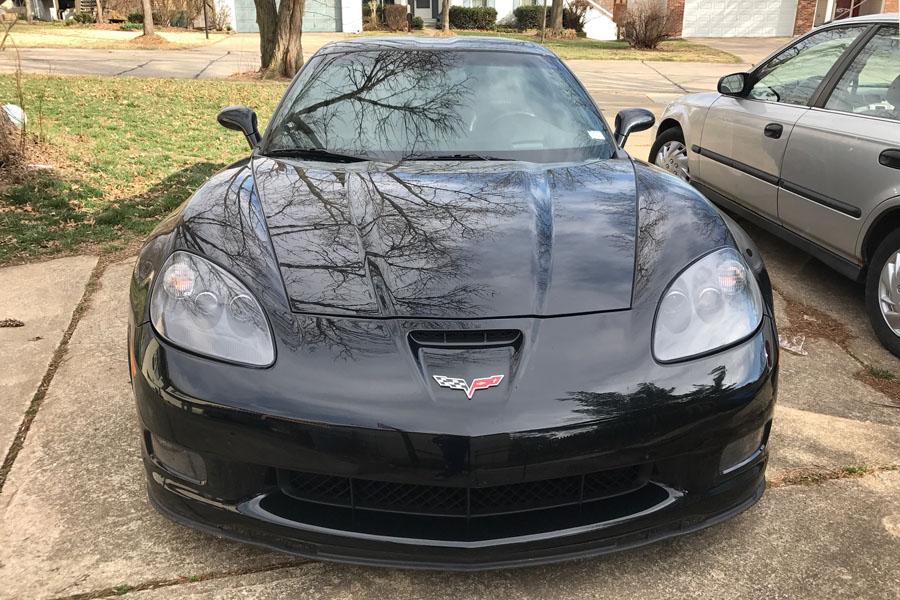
{"x":473,"y":527}
{"x":465,"y":337}
{"x":446,"y":501}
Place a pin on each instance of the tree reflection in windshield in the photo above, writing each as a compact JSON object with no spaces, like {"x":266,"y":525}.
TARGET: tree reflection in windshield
{"x":394,"y":104}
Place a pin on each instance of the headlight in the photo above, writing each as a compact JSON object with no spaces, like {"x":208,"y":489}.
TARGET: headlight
{"x":199,"y":307}
{"x":714,"y":303}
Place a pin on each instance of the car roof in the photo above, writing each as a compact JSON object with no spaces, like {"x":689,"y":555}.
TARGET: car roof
{"x":456,"y":44}
{"x":879,"y":18}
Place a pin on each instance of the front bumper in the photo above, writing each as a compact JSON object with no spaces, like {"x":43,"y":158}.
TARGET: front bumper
{"x":684,"y":473}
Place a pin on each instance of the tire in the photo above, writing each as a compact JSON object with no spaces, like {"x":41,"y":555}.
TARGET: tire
{"x":670,"y":152}
{"x":879,"y":300}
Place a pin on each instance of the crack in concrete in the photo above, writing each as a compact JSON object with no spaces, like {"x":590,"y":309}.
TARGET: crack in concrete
{"x":209,"y":64}
{"x":120,"y":590}
{"x":130,"y":69}
{"x":58,"y":355}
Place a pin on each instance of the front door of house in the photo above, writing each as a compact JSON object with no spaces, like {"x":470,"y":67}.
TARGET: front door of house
{"x":423,"y":9}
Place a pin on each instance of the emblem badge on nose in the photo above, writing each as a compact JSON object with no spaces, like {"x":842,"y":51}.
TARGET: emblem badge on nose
{"x":480,"y":383}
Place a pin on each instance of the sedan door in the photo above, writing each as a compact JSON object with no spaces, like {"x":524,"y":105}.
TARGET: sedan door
{"x":843,"y":158}
{"x":744,"y":138}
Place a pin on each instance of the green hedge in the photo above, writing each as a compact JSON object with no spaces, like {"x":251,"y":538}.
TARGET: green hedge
{"x":476,"y":17}
{"x":529,"y":17}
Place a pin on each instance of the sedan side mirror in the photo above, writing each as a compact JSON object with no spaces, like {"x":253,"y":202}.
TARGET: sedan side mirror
{"x":735,"y":84}
{"x":243,"y":119}
{"x":630,"y":120}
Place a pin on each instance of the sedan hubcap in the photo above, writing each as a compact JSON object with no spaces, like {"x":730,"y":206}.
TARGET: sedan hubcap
{"x":889,"y":292}
{"x":673,"y":157}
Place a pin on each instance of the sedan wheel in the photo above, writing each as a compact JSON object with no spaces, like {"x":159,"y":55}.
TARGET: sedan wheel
{"x":889,"y":292}
{"x":673,"y":157}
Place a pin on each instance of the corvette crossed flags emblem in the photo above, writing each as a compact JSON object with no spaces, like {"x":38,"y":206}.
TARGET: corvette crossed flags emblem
{"x":481,"y":383}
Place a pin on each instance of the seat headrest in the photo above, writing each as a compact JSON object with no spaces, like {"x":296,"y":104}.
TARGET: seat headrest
{"x":893,"y":93}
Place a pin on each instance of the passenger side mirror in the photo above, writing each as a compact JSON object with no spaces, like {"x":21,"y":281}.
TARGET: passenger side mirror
{"x":734,"y":85}
{"x":243,"y":119}
{"x":630,"y":120}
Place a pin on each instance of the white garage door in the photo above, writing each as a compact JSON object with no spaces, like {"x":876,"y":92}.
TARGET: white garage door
{"x":741,"y":18}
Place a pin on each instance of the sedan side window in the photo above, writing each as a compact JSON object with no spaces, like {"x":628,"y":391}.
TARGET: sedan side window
{"x":793,"y":76}
{"x":871,"y":86}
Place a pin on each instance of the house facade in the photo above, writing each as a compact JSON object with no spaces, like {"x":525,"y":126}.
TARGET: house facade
{"x":319,"y":15}
{"x":763,"y":18}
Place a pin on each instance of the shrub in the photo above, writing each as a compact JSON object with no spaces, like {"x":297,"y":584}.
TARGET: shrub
{"x":475,"y":17}
{"x":417,"y":23}
{"x":395,"y":17}
{"x":135,"y":17}
{"x":131,"y":26}
{"x":645,"y":25}
{"x":529,"y":17}
{"x":575,"y":14}
{"x":83,"y":17}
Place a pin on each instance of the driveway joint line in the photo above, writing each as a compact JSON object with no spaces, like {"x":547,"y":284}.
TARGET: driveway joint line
{"x":661,"y":74}
{"x":57,"y":359}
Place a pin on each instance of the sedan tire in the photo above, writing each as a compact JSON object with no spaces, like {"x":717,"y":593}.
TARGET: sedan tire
{"x":670,"y":152}
{"x":883,"y":292}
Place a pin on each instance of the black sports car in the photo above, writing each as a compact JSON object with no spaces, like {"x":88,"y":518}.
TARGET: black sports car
{"x":440,"y":318}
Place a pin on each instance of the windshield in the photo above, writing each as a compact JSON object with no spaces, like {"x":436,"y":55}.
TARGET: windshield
{"x":395,"y":104}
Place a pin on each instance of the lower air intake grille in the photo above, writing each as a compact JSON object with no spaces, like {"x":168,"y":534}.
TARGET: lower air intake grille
{"x":367,"y":494}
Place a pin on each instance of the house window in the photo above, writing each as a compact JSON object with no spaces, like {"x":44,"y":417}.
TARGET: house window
{"x":478,"y":3}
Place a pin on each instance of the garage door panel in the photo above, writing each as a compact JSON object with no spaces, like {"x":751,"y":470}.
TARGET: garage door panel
{"x":741,"y":18}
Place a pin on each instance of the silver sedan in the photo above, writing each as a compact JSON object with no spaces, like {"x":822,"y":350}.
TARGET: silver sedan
{"x":807,"y":145}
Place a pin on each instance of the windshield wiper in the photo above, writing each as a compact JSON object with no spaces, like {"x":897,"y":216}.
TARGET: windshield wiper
{"x":315,"y":154}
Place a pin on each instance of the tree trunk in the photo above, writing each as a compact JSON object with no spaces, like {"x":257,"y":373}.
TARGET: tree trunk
{"x":148,"y":18}
{"x":29,"y":11}
{"x":445,"y":16}
{"x":99,"y":14}
{"x":287,"y":58}
{"x":556,"y":16}
{"x":267,"y":20}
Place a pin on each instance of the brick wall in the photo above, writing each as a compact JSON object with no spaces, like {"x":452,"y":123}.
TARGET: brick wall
{"x":806,"y":16}
{"x":890,"y":6}
{"x":676,"y":16}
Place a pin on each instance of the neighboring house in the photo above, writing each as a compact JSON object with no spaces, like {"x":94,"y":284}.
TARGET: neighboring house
{"x":319,"y":15}
{"x":763,"y":18}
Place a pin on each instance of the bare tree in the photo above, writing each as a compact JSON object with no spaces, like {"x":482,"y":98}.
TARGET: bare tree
{"x":148,"y":18}
{"x":100,"y":18}
{"x":556,"y":16}
{"x":29,"y":11}
{"x":445,"y":16}
{"x":280,"y":30}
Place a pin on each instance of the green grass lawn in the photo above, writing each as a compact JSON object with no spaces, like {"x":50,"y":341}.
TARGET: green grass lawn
{"x":128,"y":151}
{"x":583,"y":48}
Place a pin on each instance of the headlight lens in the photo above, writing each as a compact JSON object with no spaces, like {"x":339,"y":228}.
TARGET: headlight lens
{"x":714,"y":303}
{"x":202,"y":308}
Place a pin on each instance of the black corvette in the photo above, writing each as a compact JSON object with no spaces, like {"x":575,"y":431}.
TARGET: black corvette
{"x":439,"y":318}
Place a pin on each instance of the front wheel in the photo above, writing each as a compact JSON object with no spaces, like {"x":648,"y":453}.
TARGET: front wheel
{"x":883,"y":292}
{"x":670,"y":152}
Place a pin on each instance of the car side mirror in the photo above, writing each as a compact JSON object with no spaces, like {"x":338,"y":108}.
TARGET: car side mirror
{"x":243,"y":119}
{"x":631,"y":120}
{"x":735,"y":84}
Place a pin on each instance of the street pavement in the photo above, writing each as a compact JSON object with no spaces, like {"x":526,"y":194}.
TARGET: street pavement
{"x":75,"y":521}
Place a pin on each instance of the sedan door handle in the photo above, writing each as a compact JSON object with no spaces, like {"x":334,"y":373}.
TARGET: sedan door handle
{"x":890,"y":158}
{"x":773,"y":130}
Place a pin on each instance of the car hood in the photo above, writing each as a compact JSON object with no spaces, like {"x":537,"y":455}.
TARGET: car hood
{"x":451,"y":240}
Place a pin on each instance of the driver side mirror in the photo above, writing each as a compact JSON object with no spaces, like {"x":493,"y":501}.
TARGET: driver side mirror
{"x":735,"y":84}
{"x":631,"y":120}
{"x":243,"y":119}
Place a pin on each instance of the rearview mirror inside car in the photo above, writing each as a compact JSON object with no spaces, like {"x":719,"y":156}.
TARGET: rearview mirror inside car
{"x":243,"y":119}
{"x":734,"y":84}
{"x":631,"y":120}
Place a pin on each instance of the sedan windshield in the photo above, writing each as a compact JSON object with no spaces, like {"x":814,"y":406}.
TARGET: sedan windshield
{"x":396,"y":104}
